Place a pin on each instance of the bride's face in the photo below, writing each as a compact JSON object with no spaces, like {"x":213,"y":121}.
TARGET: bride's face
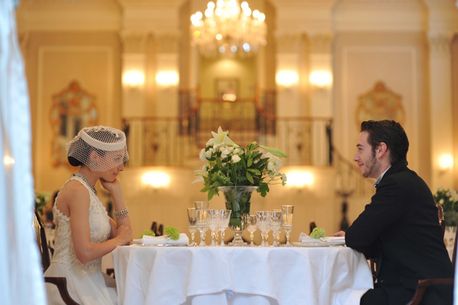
{"x":114,"y":162}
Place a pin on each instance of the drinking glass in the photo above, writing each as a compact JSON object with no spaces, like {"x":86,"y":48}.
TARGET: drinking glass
{"x":214,"y":217}
{"x":202,"y":224}
{"x":263,"y":223}
{"x":224,"y":223}
{"x":192,"y":222}
{"x":275,"y":225}
{"x":203,"y":205}
{"x":287,"y":211}
{"x":250,"y":223}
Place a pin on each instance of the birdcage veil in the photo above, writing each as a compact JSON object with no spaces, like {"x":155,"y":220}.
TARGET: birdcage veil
{"x":99,"y":147}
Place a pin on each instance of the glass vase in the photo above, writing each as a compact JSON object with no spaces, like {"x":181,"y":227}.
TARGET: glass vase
{"x":238,"y":201}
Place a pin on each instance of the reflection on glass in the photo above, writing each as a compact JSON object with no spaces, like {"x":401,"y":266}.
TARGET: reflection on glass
{"x":287,"y":220}
{"x":192,"y":222}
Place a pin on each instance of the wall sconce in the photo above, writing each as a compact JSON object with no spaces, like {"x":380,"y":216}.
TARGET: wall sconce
{"x":445,"y":162}
{"x":167,"y":78}
{"x":299,"y":179}
{"x":133,"y":78}
{"x":320,"y":79}
{"x":287,"y":78}
{"x":156,"y":179}
{"x":8,"y":161}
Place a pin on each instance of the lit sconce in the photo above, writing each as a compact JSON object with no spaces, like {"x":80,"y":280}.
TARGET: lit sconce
{"x":287,"y":78}
{"x":8,"y":161}
{"x":133,"y":79}
{"x":299,"y":179}
{"x":321,"y":79}
{"x":167,"y":78}
{"x":445,"y":162}
{"x":156,"y":179}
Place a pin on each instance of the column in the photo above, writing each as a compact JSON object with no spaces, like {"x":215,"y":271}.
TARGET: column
{"x":440,"y":100}
{"x":134,"y":101}
{"x":320,"y":85}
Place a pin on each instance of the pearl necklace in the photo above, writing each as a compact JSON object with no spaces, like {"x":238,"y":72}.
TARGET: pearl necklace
{"x":85,"y":181}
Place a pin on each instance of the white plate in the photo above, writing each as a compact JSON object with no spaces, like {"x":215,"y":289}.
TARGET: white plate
{"x":317,"y":243}
{"x":333,"y":240}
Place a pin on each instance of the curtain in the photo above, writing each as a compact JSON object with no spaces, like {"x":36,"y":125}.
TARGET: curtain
{"x":21,"y":277}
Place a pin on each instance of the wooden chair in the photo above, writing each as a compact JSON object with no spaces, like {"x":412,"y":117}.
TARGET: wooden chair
{"x":424,"y":284}
{"x":60,"y":282}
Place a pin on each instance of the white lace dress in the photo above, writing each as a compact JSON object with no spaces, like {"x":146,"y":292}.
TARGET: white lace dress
{"x":85,"y":282}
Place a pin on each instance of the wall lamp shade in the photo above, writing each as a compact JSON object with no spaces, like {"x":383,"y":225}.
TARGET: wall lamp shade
{"x":299,"y":179}
{"x":320,"y":78}
{"x":156,"y":179}
{"x":287,"y":78}
{"x":445,"y":162}
{"x":133,"y":79}
{"x":167,"y":78}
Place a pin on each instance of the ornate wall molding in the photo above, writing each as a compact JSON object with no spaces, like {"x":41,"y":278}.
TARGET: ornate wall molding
{"x":440,"y":43}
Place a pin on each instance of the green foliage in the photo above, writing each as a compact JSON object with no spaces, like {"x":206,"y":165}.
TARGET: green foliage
{"x":148,"y":233}
{"x":228,"y":164}
{"x":41,"y":198}
{"x":318,"y":233}
{"x":448,"y":199}
{"x":172,"y":233}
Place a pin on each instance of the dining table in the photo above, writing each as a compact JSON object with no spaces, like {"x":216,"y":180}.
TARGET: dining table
{"x":215,"y":275}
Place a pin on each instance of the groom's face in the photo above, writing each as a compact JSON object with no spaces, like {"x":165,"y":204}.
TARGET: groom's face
{"x":365,"y":157}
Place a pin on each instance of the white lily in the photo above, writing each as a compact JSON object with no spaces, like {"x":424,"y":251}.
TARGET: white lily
{"x":235,"y":159}
{"x":202,"y":155}
{"x":220,"y":138}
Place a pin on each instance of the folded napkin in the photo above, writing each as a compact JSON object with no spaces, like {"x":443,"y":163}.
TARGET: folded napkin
{"x":327,"y":240}
{"x":304,"y":238}
{"x":183,"y":240}
{"x":334,"y":240}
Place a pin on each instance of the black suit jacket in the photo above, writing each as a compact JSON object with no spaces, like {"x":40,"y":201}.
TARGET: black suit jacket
{"x":400,"y":229}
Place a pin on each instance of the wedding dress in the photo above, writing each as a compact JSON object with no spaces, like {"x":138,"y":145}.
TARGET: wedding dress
{"x":85,"y":282}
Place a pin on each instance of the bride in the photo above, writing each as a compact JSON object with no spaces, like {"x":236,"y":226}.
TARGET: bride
{"x":84,"y":231}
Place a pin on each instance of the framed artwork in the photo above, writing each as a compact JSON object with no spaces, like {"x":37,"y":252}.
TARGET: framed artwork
{"x":227,"y":89}
{"x":72,"y":109}
{"x":380,"y":103}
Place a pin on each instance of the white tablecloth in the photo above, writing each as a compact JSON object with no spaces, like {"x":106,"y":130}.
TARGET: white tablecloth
{"x":240,"y":275}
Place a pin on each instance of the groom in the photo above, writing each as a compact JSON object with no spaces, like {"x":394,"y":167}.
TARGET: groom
{"x":399,"y":227}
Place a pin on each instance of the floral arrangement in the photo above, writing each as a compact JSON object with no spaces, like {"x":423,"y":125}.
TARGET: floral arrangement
{"x":448,"y":199}
{"x":40,"y":201}
{"x":228,"y":164}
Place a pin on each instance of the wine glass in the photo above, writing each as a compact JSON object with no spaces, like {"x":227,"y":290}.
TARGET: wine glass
{"x":214,"y":217}
{"x":263,"y":223}
{"x":224,"y":223}
{"x":287,"y":211}
{"x":250,"y":224}
{"x":203,"y":205}
{"x":192,"y":221}
{"x":202,"y":224}
{"x":275,"y":225}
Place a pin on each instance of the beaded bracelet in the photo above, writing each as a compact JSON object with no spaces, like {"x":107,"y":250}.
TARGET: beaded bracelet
{"x":121,"y":213}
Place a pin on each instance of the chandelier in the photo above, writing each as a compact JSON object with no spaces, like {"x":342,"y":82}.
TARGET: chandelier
{"x":229,"y":29}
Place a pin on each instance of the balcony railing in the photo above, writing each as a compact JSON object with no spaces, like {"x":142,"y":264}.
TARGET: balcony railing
{"x":177,"y":141}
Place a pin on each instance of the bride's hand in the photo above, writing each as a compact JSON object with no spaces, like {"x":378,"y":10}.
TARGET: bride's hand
{"x":114,"y":187}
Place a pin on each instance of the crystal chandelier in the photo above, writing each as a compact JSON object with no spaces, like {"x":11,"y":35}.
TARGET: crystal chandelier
{"x":229,"y":29}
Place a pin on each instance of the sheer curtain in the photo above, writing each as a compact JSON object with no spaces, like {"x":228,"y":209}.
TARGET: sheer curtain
{"x":21,"y":278}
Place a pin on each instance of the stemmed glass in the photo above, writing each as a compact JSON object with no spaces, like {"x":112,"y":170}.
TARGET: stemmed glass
{"x":202,"y":205}
{"x":250,"y":223}
{"x":263,"y":223}
{"x":287,"y":211}
{"x":224,"y":223}
{"x":202,"y":224}
{"x":214,"y":217}
{"x":275,"y":224}
{"x":192,"y":220}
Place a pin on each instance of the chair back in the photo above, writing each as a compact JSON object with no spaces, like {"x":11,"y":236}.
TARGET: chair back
{"x":42,"y":242}
{"x":454,"y":250}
